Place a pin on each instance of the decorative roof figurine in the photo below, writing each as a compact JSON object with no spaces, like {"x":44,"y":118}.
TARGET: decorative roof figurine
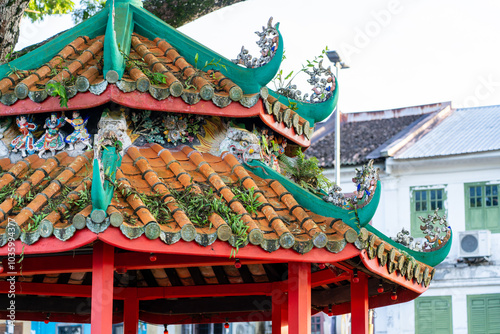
{"x":52,"y":140}
{"x":80,"y":135}
{"x":25,"y":141}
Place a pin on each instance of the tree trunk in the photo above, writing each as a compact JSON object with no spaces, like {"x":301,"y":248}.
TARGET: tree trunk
{"x":179,"y":12}
{"x":10,"y":18}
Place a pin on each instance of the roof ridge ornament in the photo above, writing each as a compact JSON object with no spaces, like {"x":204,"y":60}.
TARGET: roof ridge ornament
{"x":117,"y":3}
{"x":268,"y":43}
{"x":111,"y":139}
{"x":117,"y":39}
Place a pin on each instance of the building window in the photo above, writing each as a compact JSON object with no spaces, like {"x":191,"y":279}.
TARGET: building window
{"x":187,"y":329}
{"x":481,"y":207}
{"x":69,"y":329}
{"x":483,"y":313}
{"x":117,"y":329}
{"x":433,"y":315}
{"x":423,"y":203}
{"x":316,"y":325}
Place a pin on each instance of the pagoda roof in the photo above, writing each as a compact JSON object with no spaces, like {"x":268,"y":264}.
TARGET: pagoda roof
{"x":57,"y":188}
{"x":126,"y":55}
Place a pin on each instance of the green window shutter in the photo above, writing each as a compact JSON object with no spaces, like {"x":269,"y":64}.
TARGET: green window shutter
{"x":423,"y":203}
{"x":482,"y":210}
{"x":433,"y":315}
{"x":483,"y":314}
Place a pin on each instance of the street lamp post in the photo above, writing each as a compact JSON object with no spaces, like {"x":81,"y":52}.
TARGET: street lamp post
{"x":334,"y":57}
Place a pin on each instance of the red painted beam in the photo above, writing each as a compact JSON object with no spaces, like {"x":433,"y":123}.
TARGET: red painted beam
{"x":178,"y":319}
{"x":69,"y":290}
{"x":133,"y":99}
{"x":131,"y":312}
{"x":327,"y":277}
{"x":114,"y":237}
{"x":359,"y":304}
{"x":57,"y":317}
{"x":102,"y":288}
{"x":379,"y":300}
{"x":61,"y":290}
{"x":129,"y":261}
{"x":198,"y":291}
{"x":299,"y":298}
{"x":374,"y":267}
{"x":138,"y":260}
{"x":49,"y":265}
{"x":279,"y":311}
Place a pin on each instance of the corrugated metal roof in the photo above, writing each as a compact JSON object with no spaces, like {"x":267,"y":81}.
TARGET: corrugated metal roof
{"x":467,"y":130}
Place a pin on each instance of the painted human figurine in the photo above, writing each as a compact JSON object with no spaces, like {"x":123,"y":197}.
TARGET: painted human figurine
{"x":52,"y":140}
{"x":80,"y":134}
{"x":25,"y":141}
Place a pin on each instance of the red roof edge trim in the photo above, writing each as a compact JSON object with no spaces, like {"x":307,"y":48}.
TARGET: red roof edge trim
{"x":51,"y":244}
{"x":115,"y":238}
{"x":374,"y":267}
{"x":133,"y":99}
{"x":380,"y":300}
{"x":280,"y":128}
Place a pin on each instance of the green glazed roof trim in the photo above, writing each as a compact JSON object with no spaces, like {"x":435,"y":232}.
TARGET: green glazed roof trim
{"x":137,"y":3}
{"x":93,"y":27}
{"x":130,"y":16}
{"x":316,"y":204}
{"x":312,"y":112}
{"x":365,"y":214}
{"x":102,"y":194}
{"x":118,"y":36}
{"x":250,"y":80}
{"x":432,"y":258}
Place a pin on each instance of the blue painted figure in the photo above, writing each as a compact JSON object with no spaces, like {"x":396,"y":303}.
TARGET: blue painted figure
{"x":80,"y":134}
{"x":25,"y":141}
{"x":52,"y":140}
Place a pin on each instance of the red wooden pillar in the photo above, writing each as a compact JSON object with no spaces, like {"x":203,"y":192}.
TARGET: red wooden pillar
{"x":280,"y":311}
{"x":359,"y":305}
{"x":131,"y":312}
{"x":299,"y":298}
{"x":102,"y":288}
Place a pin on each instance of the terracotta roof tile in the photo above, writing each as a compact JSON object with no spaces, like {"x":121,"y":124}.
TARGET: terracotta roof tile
{"x":278,"y":222}
{"x":358,"y":139}
{"x":82,"y":59}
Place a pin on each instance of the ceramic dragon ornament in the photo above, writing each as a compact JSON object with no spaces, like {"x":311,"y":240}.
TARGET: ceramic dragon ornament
{"x":220,"y":137}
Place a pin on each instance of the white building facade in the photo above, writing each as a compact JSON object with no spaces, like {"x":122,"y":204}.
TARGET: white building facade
{"x":448,"y":160}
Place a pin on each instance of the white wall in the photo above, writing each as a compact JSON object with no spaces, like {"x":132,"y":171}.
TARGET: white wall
{"x":452,"y":278}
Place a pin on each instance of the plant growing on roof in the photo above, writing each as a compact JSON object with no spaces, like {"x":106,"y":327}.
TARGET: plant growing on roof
{"x":188,"y":83}
{"x":60,"y":89}
{"x":249,"y":198}
{"x":35,"y":221}
{"x":305,"y":172}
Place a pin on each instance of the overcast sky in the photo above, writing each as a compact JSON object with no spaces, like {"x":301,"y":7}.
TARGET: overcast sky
{"x":401,"y":53}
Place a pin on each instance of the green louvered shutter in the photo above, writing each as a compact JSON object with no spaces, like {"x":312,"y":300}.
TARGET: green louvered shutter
{"x":433,"y":315}
{"x":483,"y":314}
